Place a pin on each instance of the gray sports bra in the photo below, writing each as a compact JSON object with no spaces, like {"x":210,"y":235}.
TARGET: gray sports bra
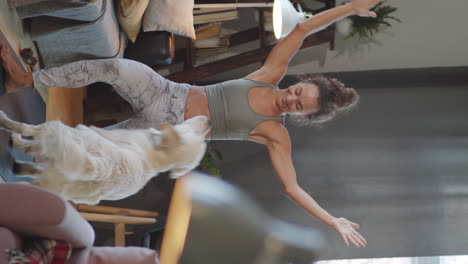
{"x":231,"y":115}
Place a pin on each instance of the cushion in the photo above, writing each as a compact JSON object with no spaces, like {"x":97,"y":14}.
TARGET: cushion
{"x":152,"y":48}
{"x":175,"y":16}
{"x":115,"y":255}
{"x":130,"y":14}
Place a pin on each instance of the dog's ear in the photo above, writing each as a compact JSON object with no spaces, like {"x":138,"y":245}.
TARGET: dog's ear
{"x":169,"y":137}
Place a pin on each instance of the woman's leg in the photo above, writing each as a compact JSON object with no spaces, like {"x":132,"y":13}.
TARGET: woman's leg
{"x":132,"y":80}
{"x":168,"y":108}
{"x":167,"y":105}
{"x":155,"y":99}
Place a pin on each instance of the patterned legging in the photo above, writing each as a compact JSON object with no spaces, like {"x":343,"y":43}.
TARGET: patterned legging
{"x":154,"y":99}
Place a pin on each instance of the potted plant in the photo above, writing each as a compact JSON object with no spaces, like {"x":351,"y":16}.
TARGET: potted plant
{"x":208,"y":163}
{"x":366,"y":27}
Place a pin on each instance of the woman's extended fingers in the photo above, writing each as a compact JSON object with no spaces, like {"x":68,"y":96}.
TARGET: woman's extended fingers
{"x":347,"y":230}
{"x":345,"y":239}
{"x":354,"y":240}
{"x":362,"y":7}
{"x":357,"y":234}
{"x":370,"y":14}
{"x":359,"y":239}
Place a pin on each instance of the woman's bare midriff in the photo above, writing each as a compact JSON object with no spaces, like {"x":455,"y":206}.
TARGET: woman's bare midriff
{"x":197,"y":103}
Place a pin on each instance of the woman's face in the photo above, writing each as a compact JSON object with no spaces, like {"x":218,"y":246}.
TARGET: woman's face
{"x":300,"y":98}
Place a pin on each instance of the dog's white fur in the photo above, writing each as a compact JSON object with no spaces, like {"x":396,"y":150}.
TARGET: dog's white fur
{"x":89,"y":164}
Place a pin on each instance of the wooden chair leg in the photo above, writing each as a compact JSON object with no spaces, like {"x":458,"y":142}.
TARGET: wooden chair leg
{"x":119,"y":234}
{"x":117,"y":216}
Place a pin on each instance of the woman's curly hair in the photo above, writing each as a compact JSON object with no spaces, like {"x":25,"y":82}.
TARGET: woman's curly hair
{"x":334,"y":97}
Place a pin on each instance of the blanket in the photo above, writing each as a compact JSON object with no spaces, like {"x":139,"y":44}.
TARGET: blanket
{"x":41,"y":251}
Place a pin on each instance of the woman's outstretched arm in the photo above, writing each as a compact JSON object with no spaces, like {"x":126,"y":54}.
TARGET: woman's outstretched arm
{"x":279,"y":148}
{"x":276,"y":64}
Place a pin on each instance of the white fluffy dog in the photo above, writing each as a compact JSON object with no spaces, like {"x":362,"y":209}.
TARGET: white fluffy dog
{"x":89,"y":164}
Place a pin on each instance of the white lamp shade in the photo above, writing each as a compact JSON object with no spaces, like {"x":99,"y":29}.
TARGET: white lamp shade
{"x":285,"y":18}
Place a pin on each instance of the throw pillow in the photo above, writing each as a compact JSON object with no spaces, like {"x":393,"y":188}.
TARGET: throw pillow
{"x":130,"y":14}
{"x":175,"y":16}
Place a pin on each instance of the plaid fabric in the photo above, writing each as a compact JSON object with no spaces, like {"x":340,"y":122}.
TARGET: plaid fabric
{"x":44,"y":251}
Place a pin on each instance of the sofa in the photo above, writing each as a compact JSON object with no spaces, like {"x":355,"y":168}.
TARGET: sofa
{"x":29,"y":213}
{"x":66,"y":31}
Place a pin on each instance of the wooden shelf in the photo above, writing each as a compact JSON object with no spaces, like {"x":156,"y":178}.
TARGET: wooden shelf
{"x":193,"y":73}
{"x":233,"y":62}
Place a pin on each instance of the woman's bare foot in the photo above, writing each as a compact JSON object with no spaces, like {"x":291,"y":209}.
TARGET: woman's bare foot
{"x":15,"y":77}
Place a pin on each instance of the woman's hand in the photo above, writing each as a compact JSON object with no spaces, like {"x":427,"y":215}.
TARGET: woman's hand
{"x":362,"y":7}
{"x":347,"y":230}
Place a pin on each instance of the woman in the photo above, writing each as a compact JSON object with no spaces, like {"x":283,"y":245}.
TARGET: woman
{"x":247,"y":109}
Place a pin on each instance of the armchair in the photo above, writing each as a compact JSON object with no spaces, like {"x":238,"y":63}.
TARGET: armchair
{"x":67,"y":31}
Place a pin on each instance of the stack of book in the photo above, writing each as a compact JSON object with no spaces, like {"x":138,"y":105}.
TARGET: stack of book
{"x":210,"y":40}
{"x":208,"y":15}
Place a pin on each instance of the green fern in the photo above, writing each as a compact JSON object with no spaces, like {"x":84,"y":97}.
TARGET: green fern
{"x":366,"y":27}
{"x":208,"y":163}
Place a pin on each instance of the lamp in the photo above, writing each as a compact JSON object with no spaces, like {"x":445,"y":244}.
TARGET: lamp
{"x":286,"y":17}
{"x":211,"y":221}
